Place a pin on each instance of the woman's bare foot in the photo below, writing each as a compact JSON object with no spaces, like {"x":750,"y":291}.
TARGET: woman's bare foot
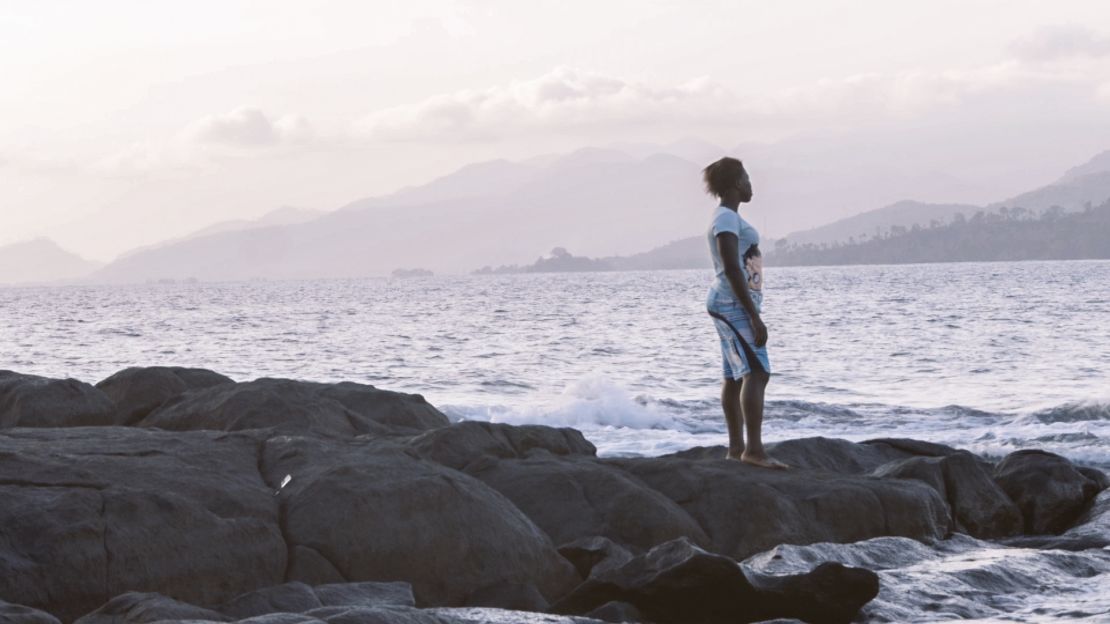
{"x":763,"y":461}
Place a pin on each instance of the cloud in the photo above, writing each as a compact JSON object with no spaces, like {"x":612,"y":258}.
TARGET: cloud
{"x":1062,"y":42}
{"x":248,"y":128}
{"x":205,"y":141}
{"x":574,"y":101}
{"x":563,"y":98}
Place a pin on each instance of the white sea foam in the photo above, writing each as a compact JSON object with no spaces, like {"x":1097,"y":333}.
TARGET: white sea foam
{"x":590,"y":403}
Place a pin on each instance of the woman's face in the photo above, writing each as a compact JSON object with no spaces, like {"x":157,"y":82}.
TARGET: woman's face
{"x":744,"y":186}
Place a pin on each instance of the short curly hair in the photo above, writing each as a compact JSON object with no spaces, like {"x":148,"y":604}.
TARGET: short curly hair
{"x":722,"y":175}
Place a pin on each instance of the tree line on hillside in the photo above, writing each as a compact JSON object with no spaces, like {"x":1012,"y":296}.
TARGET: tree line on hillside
{"x":1008,"y":234}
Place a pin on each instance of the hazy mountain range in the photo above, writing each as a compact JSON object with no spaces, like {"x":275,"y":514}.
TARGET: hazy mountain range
{"x":611,"y":203}
{"x":41,"y":260}
{"x":1009,"y":234}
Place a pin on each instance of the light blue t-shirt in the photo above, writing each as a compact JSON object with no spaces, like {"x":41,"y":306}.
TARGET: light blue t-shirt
{"x":751,"y":262}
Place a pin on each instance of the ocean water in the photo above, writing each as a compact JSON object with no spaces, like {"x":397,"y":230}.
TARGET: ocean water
{"x":991,"y":357}
{"x":986,"y":356}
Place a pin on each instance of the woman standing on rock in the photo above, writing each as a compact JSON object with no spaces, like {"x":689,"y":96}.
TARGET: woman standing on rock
{"x":734,"y":302}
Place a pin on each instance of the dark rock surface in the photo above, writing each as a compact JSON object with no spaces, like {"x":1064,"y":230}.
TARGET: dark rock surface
{"x":297,"y":597}
{"x":90,"y":513}
{"x":1048,"y":489}
{"x":589,"y":554}
{"x":375,"y":512}
{"x":33,"y":401}
{"x":137,"y":391}
{"x":143,"y":608}
{"x":1094,"y":474}
{"x":19,"y":614}
{"x":573,"y":497}
{"x":745,"y":510}
{"x":832,"y":454}
{"x":297,"y":407}
{"x":462,"y":443}
{"x":286,"y":501}
{"x":679,"y":582}
{"x":979,"y":506}
{"x":616,"y":612}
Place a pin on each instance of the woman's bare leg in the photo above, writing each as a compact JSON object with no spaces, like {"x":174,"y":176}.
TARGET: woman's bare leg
{"x":751,"y":406}
{"x":730,"y":402}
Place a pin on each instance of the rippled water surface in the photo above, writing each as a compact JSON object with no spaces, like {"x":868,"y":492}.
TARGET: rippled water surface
{"x":990,"y":357}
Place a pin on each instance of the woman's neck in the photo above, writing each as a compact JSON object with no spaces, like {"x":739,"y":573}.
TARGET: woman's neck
{"x":731,"y":201}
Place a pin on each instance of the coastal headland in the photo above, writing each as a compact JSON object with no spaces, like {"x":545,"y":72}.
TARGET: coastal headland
{"x":173,"y":494}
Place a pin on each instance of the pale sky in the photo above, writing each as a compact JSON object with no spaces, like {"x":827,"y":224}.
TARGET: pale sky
{"x":123,"y":123}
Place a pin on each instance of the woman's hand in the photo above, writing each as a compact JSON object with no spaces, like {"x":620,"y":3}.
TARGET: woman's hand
{"x":760,"y":331}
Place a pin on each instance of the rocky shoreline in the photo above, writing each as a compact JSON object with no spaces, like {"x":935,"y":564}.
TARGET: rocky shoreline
{"x":170,"y":494}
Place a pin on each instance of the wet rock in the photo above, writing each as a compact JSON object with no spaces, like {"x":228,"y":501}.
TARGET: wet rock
{"x":616,"y":612}
{"x":499,"y":616}
{"x":516,"y":596}
{"x":377,"y":512}
{"x":1094,"y":474}
{"x":462,"y":443}
{"x":575,"y":497}
{"x":90,"y":513}
{"x":33,"y":401}
{"x":588,"y":554}
{"x":979,"y":506}
{"x":1050,"y":492}
{"x":297,"y":407}
{"x":833,"y":454}
{"x":679,"y":582}
{"x":746,"y":510}
{"x":19,"y":614}
{"x":297,"y":597}
{"x":831,"y":592}
{"x":137,"y":391}
{"x":369,"y":594}
{"x":913,"y":447}
{"x":143,"y":608}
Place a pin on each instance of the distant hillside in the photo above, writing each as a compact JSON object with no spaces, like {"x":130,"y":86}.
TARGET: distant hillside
{"x":1070,"y":193}
{"x":1081,"y":186}
{"x":1004,"y":235}
{"x":39,"y":261}
{"x":872,"y":222}
{"x":602,"y":203}
{"x":286,"y":215}
{"x":1098,"y":164}
{"x":596,"y":202}
{"x":687,"y":253}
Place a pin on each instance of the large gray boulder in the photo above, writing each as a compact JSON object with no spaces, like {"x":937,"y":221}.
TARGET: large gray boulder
{"x":465,"y":442}
{"x":90,"y":513}
{"x":297,"y":407}
{"x":979,"y":506}
{"x":33,"y":401}
{"x":137,"y":391}
{"x":144,"y":608}
{"x":679,"y":582}
{"x":572,"y":498}
{"x":375,"y":512}
{"x":1048,"y":489}
{"x":745,"y":510}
